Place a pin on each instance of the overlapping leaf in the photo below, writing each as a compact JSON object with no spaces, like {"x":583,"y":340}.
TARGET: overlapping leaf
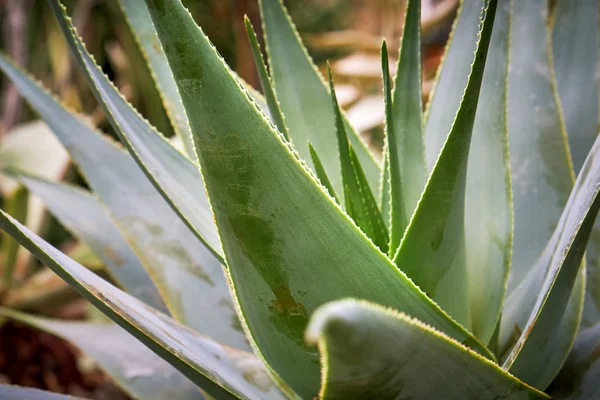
{"x":432,"y":252}
{"x":222,"y":372}
{"x":289,"y":247}
{"x":370,"y":352}
{"x":190,"y":279}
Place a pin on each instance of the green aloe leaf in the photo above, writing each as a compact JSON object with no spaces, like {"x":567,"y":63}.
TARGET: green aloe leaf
{"x":16,"y":204}
{"x":576,"y":55}
{"x":536,"y":357}
{"x":186,"y":274}
{"x":134,"y":368}
{"x":222,"y":372}
{"x":360,"y":204}
{"x":488,"y":197}
{"x":578,"y":378}
{"x":265,"y":81}
{"x":452,"y":77}
{"x":173,"y":175}
{"x":432,"y":252}
{"x":86,"y":218}
{"x":9,"y":392}
{"x":372,"y":352}
{"x":284,"y":262}
{"x":139,"y":21}
{"x":542,"y":178}
{"x":303,"y":96}
{"x":320,"y":172}
{"x":404,"y":133}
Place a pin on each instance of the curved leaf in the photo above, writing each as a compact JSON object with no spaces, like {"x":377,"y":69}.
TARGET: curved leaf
{"x":185,"y":273}
{"x":371,"y":352}
{"x":289,"y":247}
{"x":87,"y":219}
{"x":223,"y":372}
{"x":137,"y":370}
{"x":535,"y":357}
{"x":303,"y":96}
{"x":432,"y":252}
{"x":451,"y":80}
{"x":404,"y":132}
{"x":488,"y":196}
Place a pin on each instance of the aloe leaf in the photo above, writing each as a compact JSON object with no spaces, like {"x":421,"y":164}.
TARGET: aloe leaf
{"x":320,"y":172}
{"x":87,"y":219}
{"x":432,"y":251}
{"x":134,"y":368}
{"x":384,"y":187}
{"x":173,"y":175}
{"x":372,"y":352}
{"x":451,"y":80}
{"x":283,"y":261}
{"x":10,"y":392}
{"x":404,"y":132}
{"x":360,"y":204}
{"x":217,"y":369}
{"x":534,"y":357}
{"x":578,"y":378}
{"x":488,"y":197}
{"x":576,"y":55}
{"x":303,"y":96}
{"x":542,"y":178}
{"x":265,"y":81}
{"x":16,"y":204}
{"x":139,"y":21}
{"x":185,"y":273}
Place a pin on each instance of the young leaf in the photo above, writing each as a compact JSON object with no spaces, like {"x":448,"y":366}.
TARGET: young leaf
{"x":371,"y":352}
{"x":432,"y":252}
{"x":134,"y":368}
{"x":87,"y":219}
{"x":185,"y":273}
{"x":303,"y":97}
{"x":173,"y":175}
{"x":452,"y":77}
{"x":289,"y":247}
{"x":576,"y":56}
{"x":265,"y":81}
{"x":214,"y":367}
{"x":488,"y":196}
{"x":320,"y":172}
{"x":403,"y":126}
{"x":535,"y":357}
{"x":360,"y":203}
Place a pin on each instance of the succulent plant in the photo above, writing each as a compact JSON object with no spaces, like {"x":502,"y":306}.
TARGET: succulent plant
{"x":275,"y":256}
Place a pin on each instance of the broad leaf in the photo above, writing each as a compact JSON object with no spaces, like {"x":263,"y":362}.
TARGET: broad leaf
{"x":432,"y":251}
{"x":289,"y":247}
{"x":136,"y":369}
{"x":371,"y":352}
{"x":173,"y":175}
{"x":186,"y":274}
{"x":9,"y":392}
{"x":87,"y":219}
{"x":488,"y":201}
{"x":576,"y":55}
{"x":542,"y":179}
{"x":451,"y":80}
{"x":536,"y":357}
{"x":222,"y":372}
{"x":265,"y":81}
{"x":303,"y":96}
{"x":360,"y":204}
{"x":404,"y":133}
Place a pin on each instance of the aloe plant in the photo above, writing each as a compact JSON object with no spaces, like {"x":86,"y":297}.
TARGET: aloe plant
{"x":276,"y":257}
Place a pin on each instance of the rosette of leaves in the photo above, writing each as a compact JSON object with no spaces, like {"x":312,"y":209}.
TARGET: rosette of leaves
{"x":276,"y":257}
